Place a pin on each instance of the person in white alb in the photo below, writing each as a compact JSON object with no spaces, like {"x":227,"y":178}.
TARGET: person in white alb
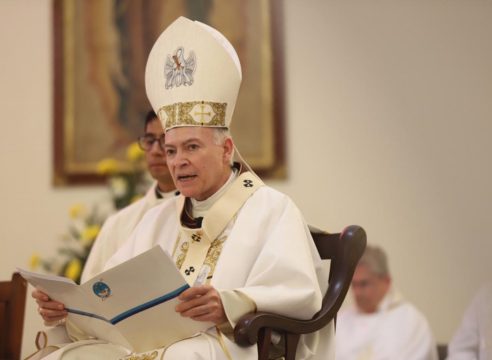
{"x":118,"y":227}
{"x":381,"y":324}
{"x":473,"y":338}
{"x":241,"y":245}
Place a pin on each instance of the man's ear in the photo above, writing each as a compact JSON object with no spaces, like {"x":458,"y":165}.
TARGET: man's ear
{"x":228,"y":149}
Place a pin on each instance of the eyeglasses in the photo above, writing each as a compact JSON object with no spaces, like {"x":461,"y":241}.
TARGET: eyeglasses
{"x":147,"y":141}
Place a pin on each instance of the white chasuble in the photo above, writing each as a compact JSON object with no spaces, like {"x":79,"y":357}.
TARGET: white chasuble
{"x":260,"y":249}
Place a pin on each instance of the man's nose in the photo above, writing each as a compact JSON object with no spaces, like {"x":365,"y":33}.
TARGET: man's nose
{"x":180,"y":159}
{"x":356,"y":288}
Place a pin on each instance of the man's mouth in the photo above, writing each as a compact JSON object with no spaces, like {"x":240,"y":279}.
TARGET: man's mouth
{"x":186,"y":177}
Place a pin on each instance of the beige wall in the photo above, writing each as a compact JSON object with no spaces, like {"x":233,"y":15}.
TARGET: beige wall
{"x":388,"y":106}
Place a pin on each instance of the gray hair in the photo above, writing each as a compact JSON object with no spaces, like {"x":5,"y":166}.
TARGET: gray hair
{"x":220,"y":136}
{"x":376,"y":260}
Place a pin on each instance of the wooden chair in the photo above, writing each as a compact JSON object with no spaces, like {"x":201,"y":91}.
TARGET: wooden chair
{"x":344,"y":250}
{"x":12,"y":305}
{"x":442,"y":351}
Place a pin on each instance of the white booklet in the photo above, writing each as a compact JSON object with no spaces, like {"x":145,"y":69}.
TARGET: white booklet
{"x":131,"y":304}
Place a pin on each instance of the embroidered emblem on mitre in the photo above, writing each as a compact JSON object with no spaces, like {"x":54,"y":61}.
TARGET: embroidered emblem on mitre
{"x":178,"y":70}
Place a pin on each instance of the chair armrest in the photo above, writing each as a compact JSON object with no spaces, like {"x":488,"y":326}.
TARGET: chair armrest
{"x":347,"y":248}
{"x":247,"y":330}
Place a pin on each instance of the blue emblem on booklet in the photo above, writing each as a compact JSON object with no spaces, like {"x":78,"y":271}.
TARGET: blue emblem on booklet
{"x":101,"y":289}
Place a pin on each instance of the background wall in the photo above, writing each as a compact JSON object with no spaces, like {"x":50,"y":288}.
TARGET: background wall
{"x":388,"y":116}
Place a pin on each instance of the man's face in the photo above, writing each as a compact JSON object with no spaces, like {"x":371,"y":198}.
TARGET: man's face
{"x":155,"y":157}
{"x":198,"y":166}
{"x":368,"y":288}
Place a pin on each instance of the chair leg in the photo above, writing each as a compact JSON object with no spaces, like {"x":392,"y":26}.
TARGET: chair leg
{"x":291,"y":342}
{"x":264,"y":340}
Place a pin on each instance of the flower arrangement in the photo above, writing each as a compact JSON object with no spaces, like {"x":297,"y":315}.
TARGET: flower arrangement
{"x":76,"y":244}
{"x":126,"y":185}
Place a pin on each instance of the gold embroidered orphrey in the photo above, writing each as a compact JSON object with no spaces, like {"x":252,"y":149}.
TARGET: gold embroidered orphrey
{"x":211,"y":259}
{"x":194,"y":113}
{"x":178,"y":70}
{"x":183,"y":250}
{"x":151,"y":356}
{"x":198,"y":250}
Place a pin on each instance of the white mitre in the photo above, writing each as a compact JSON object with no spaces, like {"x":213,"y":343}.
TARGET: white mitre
{"x":192,"y":76}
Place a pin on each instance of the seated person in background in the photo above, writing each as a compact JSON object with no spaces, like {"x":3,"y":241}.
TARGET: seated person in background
{"x":241,"y":245}
{"x":118,"y":227}
{"x":473,"y":339}
{"x":381,"y":324}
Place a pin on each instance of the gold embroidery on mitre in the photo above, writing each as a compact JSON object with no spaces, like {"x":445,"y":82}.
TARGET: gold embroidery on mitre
{"x":167,"y":115}
{"x":193,"y":113}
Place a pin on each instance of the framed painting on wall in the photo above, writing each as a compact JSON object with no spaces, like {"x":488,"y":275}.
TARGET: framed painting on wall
{"x":100,"y":51}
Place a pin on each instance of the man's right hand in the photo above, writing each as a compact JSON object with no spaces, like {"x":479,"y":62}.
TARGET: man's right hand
{"x":52,"y":312}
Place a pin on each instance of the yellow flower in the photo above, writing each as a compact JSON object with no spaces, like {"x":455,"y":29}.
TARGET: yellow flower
{"x":89,"y":234}
{"x":119,"y":186}
{"x":34,"y":261}
{"x":107,"y":167}
{"x":134,"y":153}
{"x":76,"y":211}
{"x":73,"y":269}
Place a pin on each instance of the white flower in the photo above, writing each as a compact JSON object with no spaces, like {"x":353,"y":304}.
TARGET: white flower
{"x":119,"y":186}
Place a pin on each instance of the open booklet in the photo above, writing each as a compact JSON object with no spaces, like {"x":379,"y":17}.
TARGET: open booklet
{"x":131,"y":304}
